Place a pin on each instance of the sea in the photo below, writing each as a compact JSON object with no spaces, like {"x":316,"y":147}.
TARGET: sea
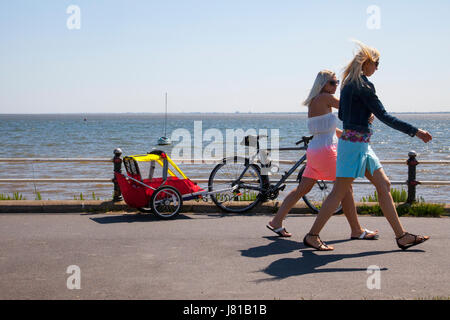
{"x":194,"y":135}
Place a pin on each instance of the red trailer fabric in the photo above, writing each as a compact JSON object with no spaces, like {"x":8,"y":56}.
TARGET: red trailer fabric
{"x":138,"y":196}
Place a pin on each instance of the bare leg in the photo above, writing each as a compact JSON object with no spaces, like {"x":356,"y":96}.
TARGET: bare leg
{"x":291,"y":199}
{"x":349,"y":208}
{"x":383,"y":186}
{"x":329,"y":206}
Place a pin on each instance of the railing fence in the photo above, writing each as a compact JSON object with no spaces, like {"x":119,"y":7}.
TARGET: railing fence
{"x":411,"y":162}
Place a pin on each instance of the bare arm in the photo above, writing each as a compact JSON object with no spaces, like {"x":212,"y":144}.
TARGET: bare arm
{"x":333,"y":101}
{"x":338,"y":132}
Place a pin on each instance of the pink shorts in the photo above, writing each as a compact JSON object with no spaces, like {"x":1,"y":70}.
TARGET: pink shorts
{"x":321,"y":163}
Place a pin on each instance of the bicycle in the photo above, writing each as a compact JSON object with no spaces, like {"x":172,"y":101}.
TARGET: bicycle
{"x":249,"y":177}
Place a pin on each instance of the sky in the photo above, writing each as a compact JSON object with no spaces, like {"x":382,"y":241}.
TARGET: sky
{"x":214,"y":55}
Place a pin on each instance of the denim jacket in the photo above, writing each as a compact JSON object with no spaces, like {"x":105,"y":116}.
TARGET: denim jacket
{"x":358,"y":103}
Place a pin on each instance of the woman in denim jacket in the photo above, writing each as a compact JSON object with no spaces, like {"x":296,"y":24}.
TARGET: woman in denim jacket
{"x":321,"y":155}
{"x":356,"y":158}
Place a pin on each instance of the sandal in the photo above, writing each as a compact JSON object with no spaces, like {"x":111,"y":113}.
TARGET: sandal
{"x":279,"y":231}
{"x":322,"y":246}
{"x":418,"y":239}
{"x":363,"y":236}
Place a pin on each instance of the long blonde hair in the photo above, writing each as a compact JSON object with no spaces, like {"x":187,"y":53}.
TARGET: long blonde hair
{"x":321,"y":80}
{"x":353,"y":71}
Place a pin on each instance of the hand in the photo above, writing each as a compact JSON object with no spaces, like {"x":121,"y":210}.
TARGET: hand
{"x":423,"y":135}
{"x":371,"y":118}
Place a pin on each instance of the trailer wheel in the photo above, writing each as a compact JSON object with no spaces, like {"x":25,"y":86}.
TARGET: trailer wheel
{"x":166,"y":202}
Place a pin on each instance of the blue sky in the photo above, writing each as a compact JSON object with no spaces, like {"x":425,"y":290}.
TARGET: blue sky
{"x":214,"y":56}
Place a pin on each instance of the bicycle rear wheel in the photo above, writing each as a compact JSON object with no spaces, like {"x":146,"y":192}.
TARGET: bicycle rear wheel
{"x":318,"y":194}
{"x":225,"y":175}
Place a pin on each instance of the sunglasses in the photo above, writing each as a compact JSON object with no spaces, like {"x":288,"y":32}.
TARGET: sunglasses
{"x":377,"y":63}
{"x":333,"y":82}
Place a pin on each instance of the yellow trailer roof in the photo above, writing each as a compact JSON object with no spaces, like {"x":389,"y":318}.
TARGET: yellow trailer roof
{"x":158,"y":158}
{"x":146,"y":157}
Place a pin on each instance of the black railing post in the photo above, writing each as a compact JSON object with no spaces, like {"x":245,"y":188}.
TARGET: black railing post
{"x":412,"y":182}
{"x":117,"y":160}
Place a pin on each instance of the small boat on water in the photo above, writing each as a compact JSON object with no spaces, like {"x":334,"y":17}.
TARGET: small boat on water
{"x":164,"y":140}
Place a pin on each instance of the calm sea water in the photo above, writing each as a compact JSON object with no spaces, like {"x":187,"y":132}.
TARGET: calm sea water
{"x":96,"y":136}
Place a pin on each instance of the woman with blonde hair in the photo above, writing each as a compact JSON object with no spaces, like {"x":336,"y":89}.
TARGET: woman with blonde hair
{"x":321,"y":155}
{"x":356,"y":158}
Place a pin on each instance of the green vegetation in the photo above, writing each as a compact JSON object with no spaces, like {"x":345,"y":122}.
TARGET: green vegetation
{"x":421,"y":209}
{"x":246,"y":196}
{"x":434,"y":298}
{"x":417,"y":209}
{"x":14,"y":196}
{"x":397,"y":195}
{"x":78,"y":198}
{"x":94,"y":197}
{"x":81,"y":197}
{"x":372,"y":210}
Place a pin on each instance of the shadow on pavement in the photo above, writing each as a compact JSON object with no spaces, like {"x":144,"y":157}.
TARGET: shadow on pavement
{"x":279,"y":246}
{"x":310,"y":260}
{"x":129,"y":218}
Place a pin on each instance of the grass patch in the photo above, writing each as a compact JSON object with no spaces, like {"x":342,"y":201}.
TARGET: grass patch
{"x":82,"y":197}
{"x":421,"y":209}
{"x":371,"y":210}
{"x":434,"y":298}
{"x":14,"y":196}
{"x":418,"y":209}
{"x":94,"y":197}
{"x":399,"y":195}
{"x":244,"y":196}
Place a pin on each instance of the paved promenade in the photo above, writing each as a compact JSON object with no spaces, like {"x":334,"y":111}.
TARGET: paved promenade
{"x":214,"y":256}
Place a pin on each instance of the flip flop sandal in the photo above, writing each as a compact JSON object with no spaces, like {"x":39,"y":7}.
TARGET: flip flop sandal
{"x":363,"y":236}
{"x":417,"y":240}
{"x":278,"y":231}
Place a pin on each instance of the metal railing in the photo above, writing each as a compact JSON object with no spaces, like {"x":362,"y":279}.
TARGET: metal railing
{"x":411,"y":162}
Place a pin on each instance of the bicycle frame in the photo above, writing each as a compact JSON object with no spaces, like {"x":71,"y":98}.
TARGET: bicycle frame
{"x":283,"y":177}
{"x":287,"y":174}
{"x":253,"y":174}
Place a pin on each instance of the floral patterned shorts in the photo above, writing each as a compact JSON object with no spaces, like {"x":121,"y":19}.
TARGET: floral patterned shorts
{"x":355,"y":136}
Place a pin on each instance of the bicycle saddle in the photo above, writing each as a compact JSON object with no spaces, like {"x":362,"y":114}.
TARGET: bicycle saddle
{"x":252,"y":140}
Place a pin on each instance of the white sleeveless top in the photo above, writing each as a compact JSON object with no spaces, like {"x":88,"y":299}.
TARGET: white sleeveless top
{"x":324,"y":130}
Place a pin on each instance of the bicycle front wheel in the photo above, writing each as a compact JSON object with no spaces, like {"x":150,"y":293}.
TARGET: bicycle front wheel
{"x":227,"y":175}
{"x":318,"y":194}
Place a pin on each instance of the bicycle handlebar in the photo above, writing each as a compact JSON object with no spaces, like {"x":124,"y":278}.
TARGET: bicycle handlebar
{"x":305,"y":140}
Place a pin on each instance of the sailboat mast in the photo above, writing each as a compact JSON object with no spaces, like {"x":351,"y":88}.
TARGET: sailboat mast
{"x":165,"y":119}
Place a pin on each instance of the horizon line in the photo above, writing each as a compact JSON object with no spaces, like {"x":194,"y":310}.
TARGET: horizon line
{"x":236,"y":112}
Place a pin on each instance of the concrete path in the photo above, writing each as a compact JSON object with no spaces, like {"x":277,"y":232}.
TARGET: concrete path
{"x":214,"y":256}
